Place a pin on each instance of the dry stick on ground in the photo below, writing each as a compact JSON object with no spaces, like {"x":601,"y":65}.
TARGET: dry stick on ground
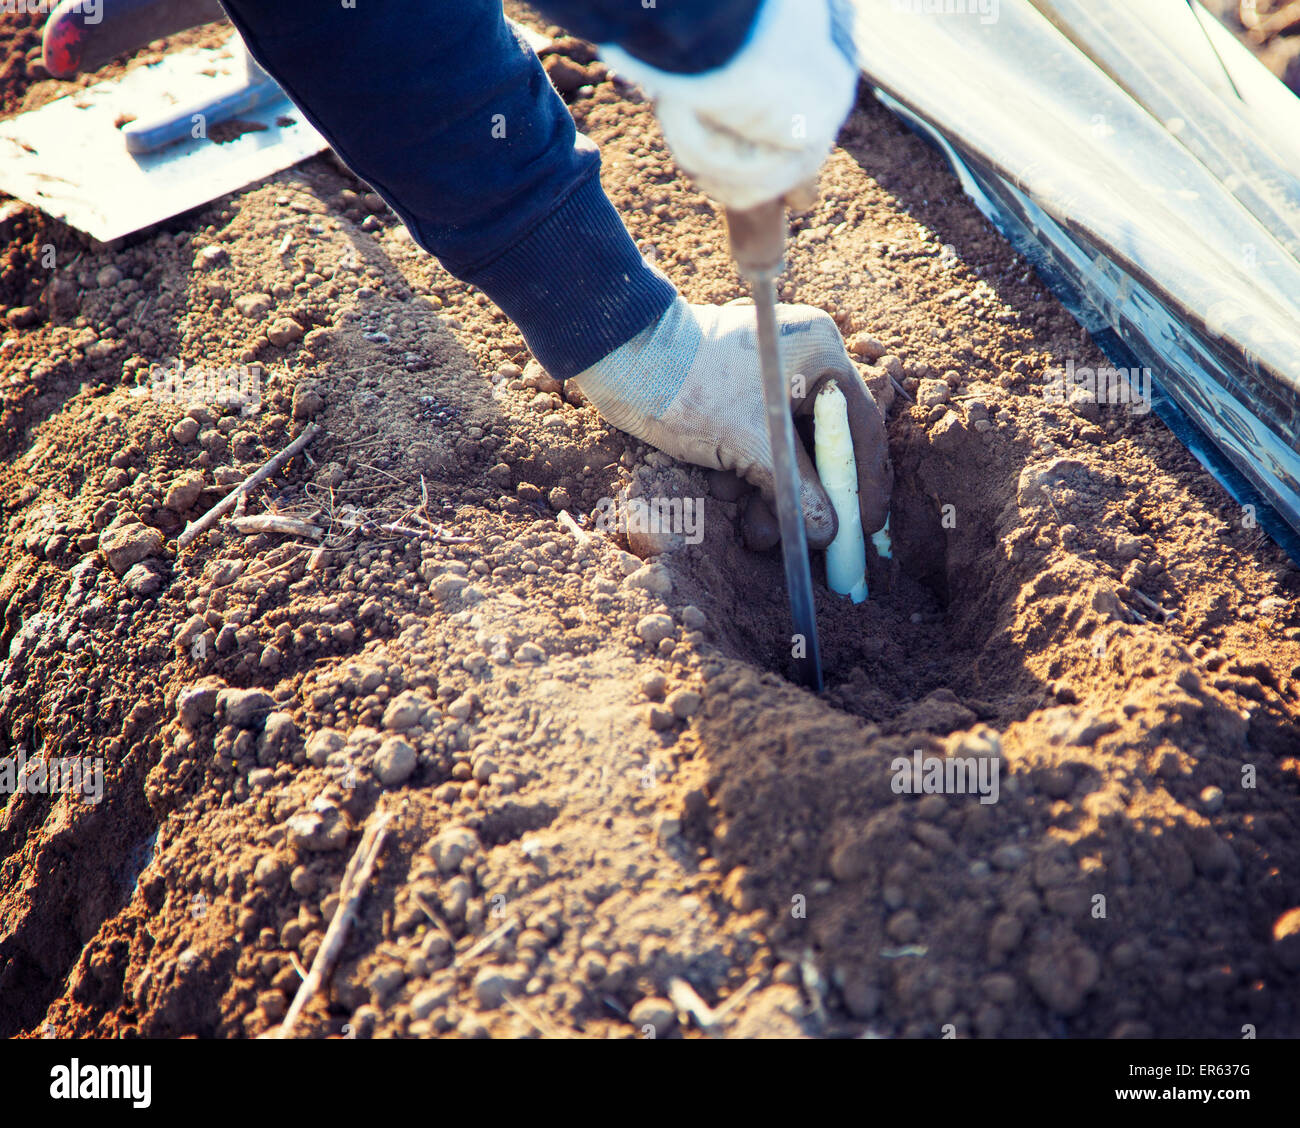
{"x":438,"y":922}
{"x":273,"y":523}
{"x":351,"y":890}
{"x":901,"y":390}
{"x":729,"y":1004}
{"x":685,"y":998}
{"x":227,"y":503}
{"x":491,"y":938}
{"x":1152,"y":604}
{"x":579,"y":534}
{"x":544,"y":1028}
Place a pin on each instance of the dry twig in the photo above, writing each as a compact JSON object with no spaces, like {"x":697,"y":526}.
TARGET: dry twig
{"x":487,"y":941}
{"x":270,"y":523}
{"x":579,"y":534}
{"x":351,"y":890}
{"x":227,"y":503}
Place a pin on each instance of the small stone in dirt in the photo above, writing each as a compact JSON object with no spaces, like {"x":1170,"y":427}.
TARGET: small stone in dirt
{"x":693,"y":619}
{"x":893,"y":365}
{"x":530,"y":652}
{"x":627,"y":563}
{"x":307,"y":402}
{"x":461,"y":707}
{"x":949,"y":432}
{"x":253,"y":306}
{"x":653,"y":629}
{"x":1036,"y":480}
{"x":227,"y":639}
{"x":405,"y":710}
{"x":243,"y":707}
{"x":432,"y":999}
{"x":660,"y":718}
{"x":185,"y":488}
{"x":448,"y":587}
{"x":1084,"y":404}
{"x":1061,"y":979}
{"x":186,"y":431}
{"x":284,"y":331}
{"x":127,"y":544}
{"x":932,"y":393}
{"x":452,"y":847}
{"x":904,"y":926}
{"x":1128,"y":547}
{"x":658,"y":1014}
{"x":62,"y":295}
{"x":270,"y":870}
{"x":1213,"y":857}
{"x":1005,"y":934}
{"x":851,"y":859}
{"x":23,"y":317}
{"x":1212,"y":799}
{"x":1010,"y":856}
{"x":394,"y":762}
{"x":211,"y":256}
{"x":862,"y":998}
{"x":647,"y":539}
{"x":323,"y":742}
{"x":866,"y":347}
{"x":653,"y":685}
{"x":567,"y":75}
{"x":280,"y":731}
{"x":654,"y":578}
{"x":197,"y":703}
{"x":144,"y":578}
{"x":493,"y":985}
{"x":535,"y":376}
{"x":318,"y":831}
{"x":684,"y":703}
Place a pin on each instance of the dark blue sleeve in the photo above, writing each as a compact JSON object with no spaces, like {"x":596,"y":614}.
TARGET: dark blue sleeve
{"x":685,"y":36}
{"x":449,"y":117}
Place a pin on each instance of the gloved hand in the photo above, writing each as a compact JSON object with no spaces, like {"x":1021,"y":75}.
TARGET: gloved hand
{"x":690,"y":385}
{"x":753,"y":129}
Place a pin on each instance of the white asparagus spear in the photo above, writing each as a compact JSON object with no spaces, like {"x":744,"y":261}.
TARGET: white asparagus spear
{"x":846,"y":558}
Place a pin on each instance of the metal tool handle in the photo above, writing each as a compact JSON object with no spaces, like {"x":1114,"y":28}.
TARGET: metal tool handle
{"x":79,"y":37}
{"x":757,"y":238}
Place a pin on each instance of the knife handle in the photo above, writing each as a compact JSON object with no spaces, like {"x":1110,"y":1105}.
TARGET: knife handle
{"x":82,"y":35}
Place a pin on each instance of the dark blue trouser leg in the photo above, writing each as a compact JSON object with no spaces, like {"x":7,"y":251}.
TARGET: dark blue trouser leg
{"x":453,"y":121}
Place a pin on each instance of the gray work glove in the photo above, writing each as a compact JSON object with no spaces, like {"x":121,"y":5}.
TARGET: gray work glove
{"x":690,"y":385}
{"x":752,"y":129}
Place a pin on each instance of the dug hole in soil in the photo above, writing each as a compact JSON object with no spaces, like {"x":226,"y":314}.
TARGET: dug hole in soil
{"x":599,"y":780}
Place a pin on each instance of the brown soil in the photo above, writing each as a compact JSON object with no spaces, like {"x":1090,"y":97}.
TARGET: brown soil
{"x":1133,"y":877}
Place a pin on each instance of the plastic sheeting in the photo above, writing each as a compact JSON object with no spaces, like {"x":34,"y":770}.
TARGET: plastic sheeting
{"x":1147,"y":165}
